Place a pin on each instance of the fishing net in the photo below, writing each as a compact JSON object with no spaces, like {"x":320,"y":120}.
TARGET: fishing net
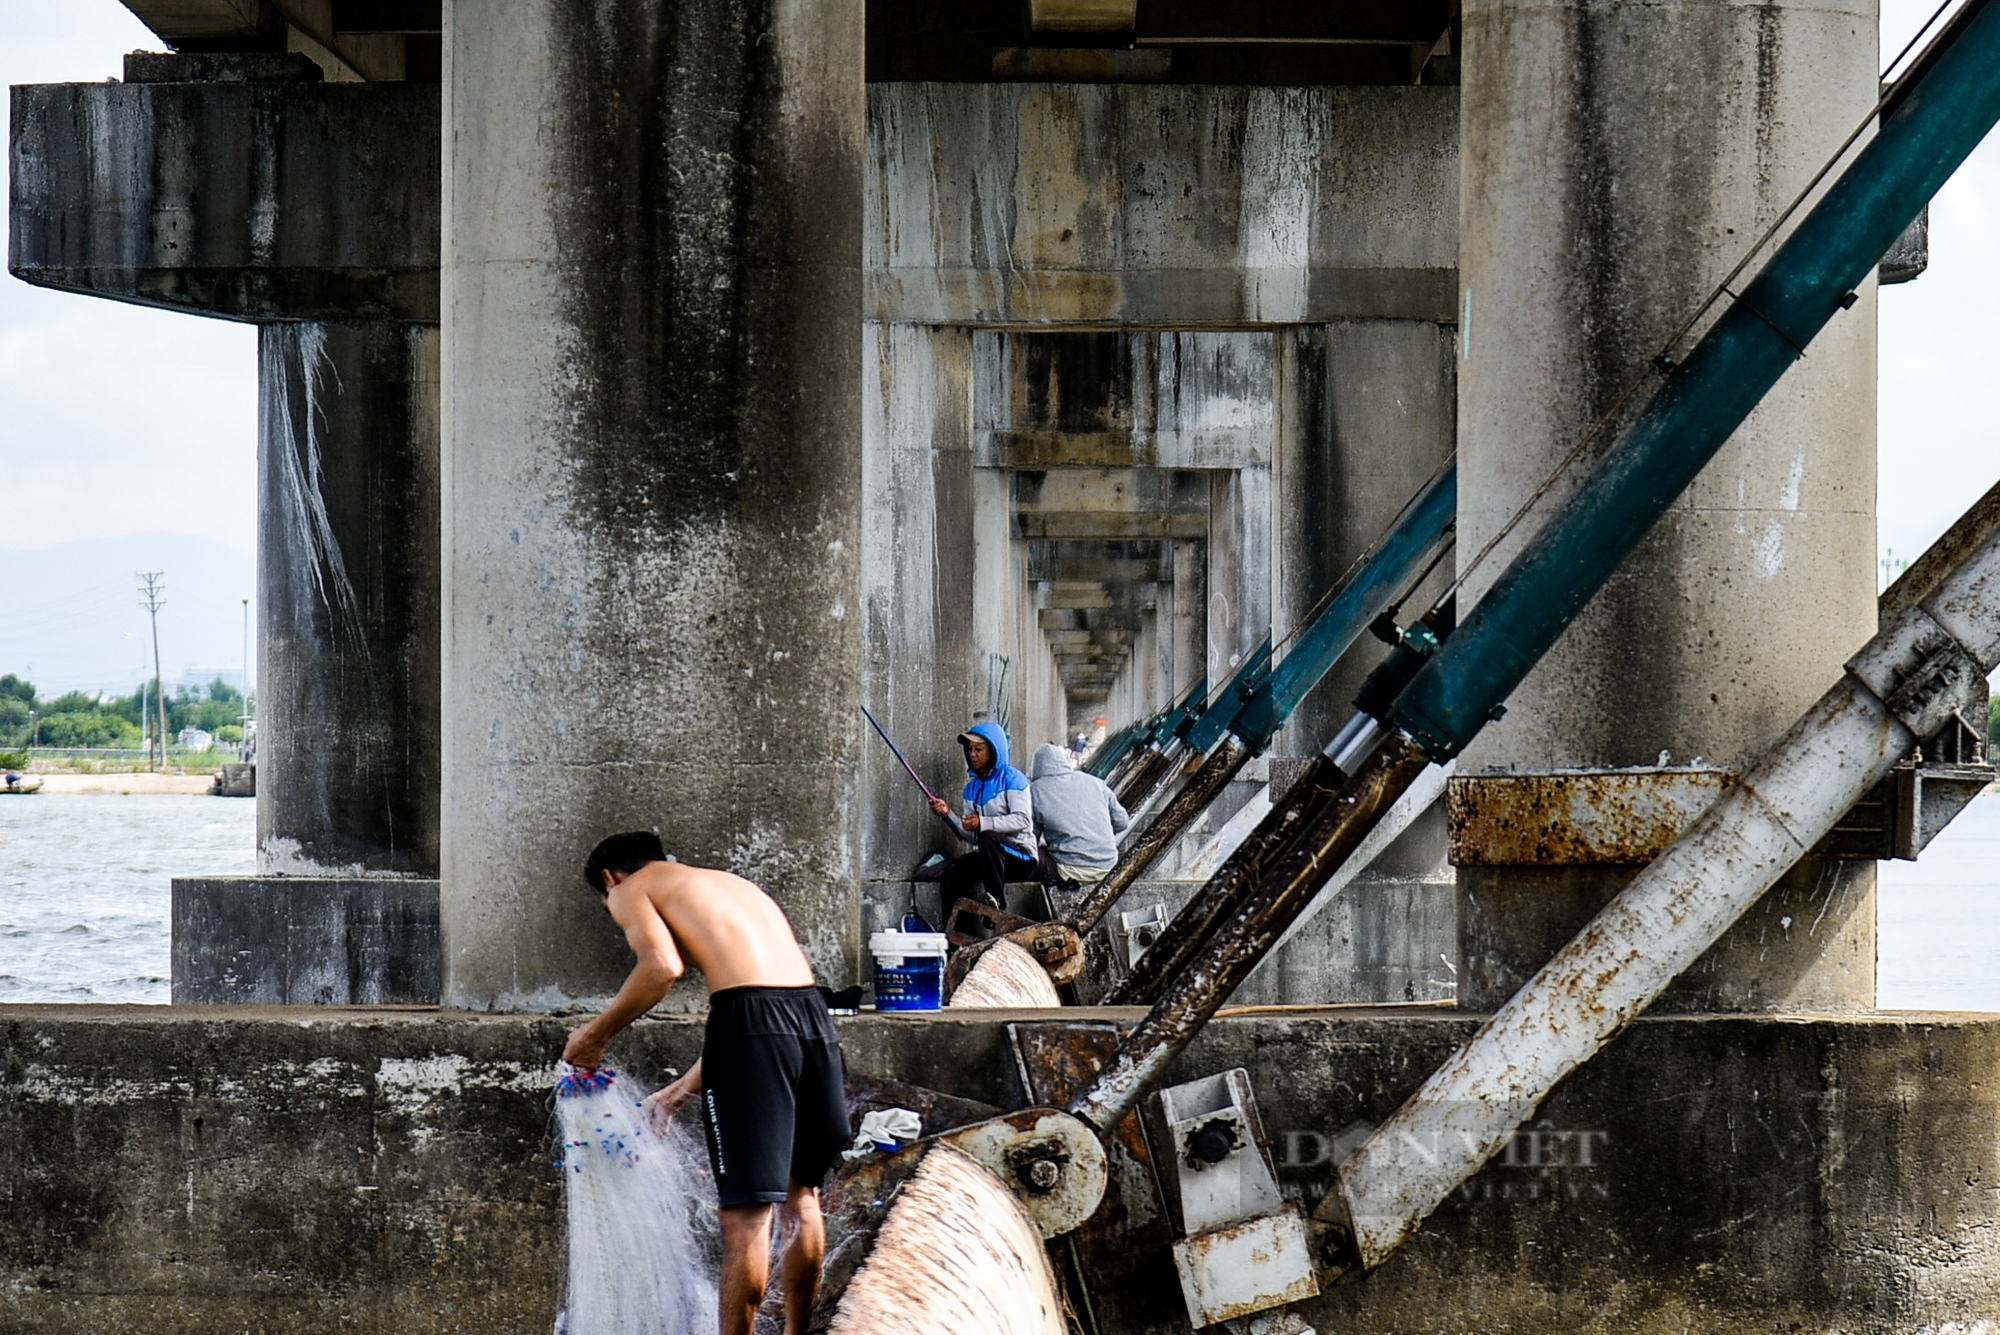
{"x":643,"y":1243}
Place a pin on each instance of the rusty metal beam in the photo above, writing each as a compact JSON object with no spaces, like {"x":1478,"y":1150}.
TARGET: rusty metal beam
{"x":1389,"y":765}
{"x":1902,"y":687}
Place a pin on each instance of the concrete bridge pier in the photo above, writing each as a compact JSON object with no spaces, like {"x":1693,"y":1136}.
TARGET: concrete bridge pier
{"x":242,"y":185}
{"x":652,"y":471}
{"x":1618,"y":159}
{"x":348,"y":576}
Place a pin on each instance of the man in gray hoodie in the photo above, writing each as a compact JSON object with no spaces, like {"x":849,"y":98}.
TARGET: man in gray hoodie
{"x":1078,"y":815}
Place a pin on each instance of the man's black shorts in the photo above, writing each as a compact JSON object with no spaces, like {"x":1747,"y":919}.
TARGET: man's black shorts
{"x":774,"y":1090}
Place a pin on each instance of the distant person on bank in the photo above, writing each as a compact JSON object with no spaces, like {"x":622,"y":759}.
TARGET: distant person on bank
{"x":1080,"y":819}
{"x":770,"y":1076}
{"x":998,"y":821}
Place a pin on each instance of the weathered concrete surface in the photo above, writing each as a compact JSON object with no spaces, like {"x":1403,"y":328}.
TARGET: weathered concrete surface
{"x":922,"y":671}
{"x":1390,"y":937}
{"x":250,"y":200}
{"x":1808,"y":945}
{"x":348,"y":570}
{"x":1197,"y":206}
{"x":300,"y":941}
{"x":385,"y":1171}
{"x":652,"y":470}
{"x":1618,"y":160}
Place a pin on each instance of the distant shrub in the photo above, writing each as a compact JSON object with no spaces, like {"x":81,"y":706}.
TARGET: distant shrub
{"x":13,"y":760}
{"x":229,"y":733}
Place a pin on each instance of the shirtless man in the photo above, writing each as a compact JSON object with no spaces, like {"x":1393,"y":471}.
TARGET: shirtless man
{"x":770,"y":1076}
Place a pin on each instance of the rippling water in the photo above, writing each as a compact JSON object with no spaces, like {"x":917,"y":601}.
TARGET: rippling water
{"x":84,"y":899}
{"x":1938,"y":920}
{"x":84,"y":889}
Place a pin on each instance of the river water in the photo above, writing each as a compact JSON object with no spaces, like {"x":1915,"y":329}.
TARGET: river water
{"x":84,"y":899}
{"x":84,"y":894}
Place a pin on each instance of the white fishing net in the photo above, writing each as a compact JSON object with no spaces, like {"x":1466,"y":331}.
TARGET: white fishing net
{"x":643,"y":1246}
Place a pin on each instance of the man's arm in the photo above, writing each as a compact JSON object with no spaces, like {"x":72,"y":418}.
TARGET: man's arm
{"x":659,"y":966}
{"x":662,"y":1105}
{"x":1120,"y":821}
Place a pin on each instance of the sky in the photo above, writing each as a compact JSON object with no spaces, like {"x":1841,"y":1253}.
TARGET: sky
{"x":128,"y":440}
{"x":128,"y":436}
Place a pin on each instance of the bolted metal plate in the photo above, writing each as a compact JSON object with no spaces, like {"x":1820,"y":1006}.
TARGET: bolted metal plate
{"x":1248,"y":1267}
{"x":1017,"y":1147}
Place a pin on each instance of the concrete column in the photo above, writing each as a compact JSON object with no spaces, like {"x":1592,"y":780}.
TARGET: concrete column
{"x":918,"y":576}
{"x":1239,"y":567}
{"x":651,"y":470}
{"x":1190,"y":600}
{"x":348,"y":573}
{"x":1617,"y":159}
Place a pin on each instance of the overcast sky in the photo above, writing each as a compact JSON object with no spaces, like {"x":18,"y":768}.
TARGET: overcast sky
{"x":116,"y":421}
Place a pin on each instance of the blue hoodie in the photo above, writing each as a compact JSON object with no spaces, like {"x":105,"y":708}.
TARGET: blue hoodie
{"x":1001,"y":798}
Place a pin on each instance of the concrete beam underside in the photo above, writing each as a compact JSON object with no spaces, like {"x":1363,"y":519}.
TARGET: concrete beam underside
{"x":388,"y":1171}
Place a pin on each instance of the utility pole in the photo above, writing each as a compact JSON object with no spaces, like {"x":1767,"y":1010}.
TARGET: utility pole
{"x":243,"y":714}
{"x":150,"y":589}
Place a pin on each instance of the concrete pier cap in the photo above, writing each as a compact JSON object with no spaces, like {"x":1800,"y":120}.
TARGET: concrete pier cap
{"x":1618,"y":159}
{"x":652,"y":470}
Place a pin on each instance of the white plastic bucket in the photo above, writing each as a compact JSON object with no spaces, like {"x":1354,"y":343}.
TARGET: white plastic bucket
{"x":909,"y":970}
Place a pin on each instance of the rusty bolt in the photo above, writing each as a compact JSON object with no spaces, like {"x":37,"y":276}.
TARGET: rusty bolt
{"x":1041,"y":1174}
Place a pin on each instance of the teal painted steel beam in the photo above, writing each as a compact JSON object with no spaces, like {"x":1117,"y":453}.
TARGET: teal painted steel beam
{"x":1953,"y":100}
{"x":1425,"y":526}
{"x":1215,"y":721}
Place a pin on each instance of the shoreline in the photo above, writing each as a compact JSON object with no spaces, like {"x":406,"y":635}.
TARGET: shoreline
{"x":124,"y":785}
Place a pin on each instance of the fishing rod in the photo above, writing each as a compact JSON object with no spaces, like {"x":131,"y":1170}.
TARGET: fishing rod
{"x":897,"y":752}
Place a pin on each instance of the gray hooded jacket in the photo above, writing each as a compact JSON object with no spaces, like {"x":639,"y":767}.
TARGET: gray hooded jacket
{"x":1077,"y":813}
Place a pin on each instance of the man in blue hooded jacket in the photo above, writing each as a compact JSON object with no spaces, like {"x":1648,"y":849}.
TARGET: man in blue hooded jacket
{"x":999,"y":821}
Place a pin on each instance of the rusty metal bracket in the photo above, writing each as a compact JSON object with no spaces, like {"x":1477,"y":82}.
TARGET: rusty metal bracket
{"x":971,"y":914}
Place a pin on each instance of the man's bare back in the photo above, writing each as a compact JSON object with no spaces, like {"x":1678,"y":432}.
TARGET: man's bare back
{"x":675,"y":915}
{"x":722,"y":924}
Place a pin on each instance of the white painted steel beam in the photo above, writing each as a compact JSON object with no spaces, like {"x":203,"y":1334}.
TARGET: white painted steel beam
{"x":1899,"y":689}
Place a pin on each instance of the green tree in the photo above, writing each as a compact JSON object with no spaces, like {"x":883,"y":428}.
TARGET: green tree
{"x":1993,"y":723}
{"x":14,"y":715}
{"x":13,"y":688}
{"x":88,"y":729}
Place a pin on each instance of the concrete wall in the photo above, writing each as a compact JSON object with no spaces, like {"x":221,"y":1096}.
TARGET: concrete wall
{"x":304,"y":941}
{"x":652,"y":470}
{"x":392,"y":1172}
